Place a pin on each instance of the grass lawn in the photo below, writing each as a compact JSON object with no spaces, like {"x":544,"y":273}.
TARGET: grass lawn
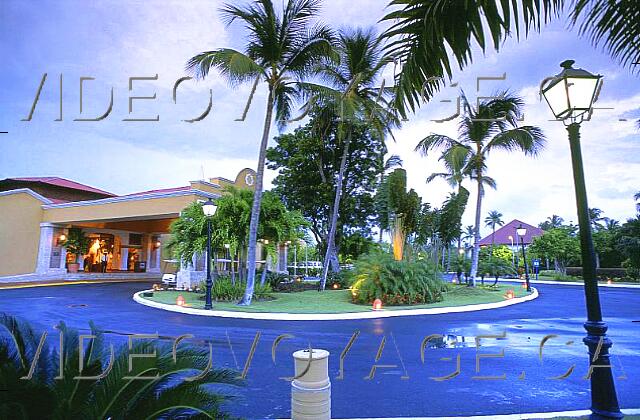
{"x":338,"y":301}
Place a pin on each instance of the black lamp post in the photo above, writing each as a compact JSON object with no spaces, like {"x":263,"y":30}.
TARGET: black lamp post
{"x":209,"y":209}
{"x":521,"y":230}
{"x":570,"y":96}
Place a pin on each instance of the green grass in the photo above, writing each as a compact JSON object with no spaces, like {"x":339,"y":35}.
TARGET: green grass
{"x":338,"y":301}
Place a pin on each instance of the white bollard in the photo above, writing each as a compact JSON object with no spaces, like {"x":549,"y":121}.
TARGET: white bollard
{"x":311,"y":393}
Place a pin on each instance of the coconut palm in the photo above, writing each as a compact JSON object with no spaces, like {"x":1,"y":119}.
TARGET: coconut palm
{"x":553,"y":222}
{"x":493,"y":219}
{"x":351,"y":91}
{"x":596,"y":218}
{"x":423,"y":32}
{"x":492,"y":125}
{"x":281,"y":50}
{"x":54,"y":390}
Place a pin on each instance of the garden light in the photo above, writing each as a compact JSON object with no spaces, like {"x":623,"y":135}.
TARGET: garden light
{"x":510,"y":294}
{"x":336,"y":286}
{"x":377,"y":305}
{"x":180,"y":300}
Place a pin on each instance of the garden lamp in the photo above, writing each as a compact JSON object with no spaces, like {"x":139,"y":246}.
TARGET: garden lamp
{"x":571,"y":95}
{"x":209,"y":208}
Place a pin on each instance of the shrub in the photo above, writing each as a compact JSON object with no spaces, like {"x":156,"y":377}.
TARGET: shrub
{"x":224,"y":290}
{"x":274,"y":279}
{"x":342,"y":279}
{"x":601,"y":273}
{"x":379,"y":276}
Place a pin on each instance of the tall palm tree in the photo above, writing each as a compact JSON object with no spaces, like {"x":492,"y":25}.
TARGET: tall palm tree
{"x":493,"y":219}
{"x":281,"y":50}
{"x":492,"y":125}
{"x":423,"y":32}
{"x":351,"y":90}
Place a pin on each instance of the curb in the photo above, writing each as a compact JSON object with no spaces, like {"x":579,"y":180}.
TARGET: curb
{"x":282,"y":316}
{"x":571,"y":283}
{"x":547,"y":415}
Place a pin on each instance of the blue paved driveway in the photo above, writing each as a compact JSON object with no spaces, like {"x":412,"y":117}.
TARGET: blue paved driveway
{"x":405,"y":390}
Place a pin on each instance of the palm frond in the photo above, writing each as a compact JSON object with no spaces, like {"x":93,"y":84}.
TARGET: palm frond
{"x":527,"y":139}
{"x":235,"y":66}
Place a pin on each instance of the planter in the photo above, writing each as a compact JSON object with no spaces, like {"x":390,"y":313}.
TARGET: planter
{"x":73,"y":267}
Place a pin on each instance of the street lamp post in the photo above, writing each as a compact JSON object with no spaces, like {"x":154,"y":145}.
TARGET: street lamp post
{"x":571,"y":95}
{"x":521,"y":230}
{"x":513,"y":254}
{"x":209,"y":209}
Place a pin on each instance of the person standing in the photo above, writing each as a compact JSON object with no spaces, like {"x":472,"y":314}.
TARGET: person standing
{"x":103,"y":262}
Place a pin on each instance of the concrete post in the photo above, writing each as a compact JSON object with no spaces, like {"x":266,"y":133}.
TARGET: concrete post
{"x":311,"y":392}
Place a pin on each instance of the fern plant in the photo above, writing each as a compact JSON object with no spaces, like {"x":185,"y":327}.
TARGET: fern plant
{"x":380,"y":276}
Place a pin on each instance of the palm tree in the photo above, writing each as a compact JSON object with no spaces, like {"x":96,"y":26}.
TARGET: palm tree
{"x":352,"y":94}
{"x":281,"y":50}
{"x":393,"y":161}
{"x":595,"y":218}
{"x":493,"y":219}
{"x":611,"y":224}
{"x":424,"y":31}
{"x":552,"y":222}
{"x":455,"y":160}
{"x":54,"y":390}
{"x":491,"y":125}
{"x":636,"y":196}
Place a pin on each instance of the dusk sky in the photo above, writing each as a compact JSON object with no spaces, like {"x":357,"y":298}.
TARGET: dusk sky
{"x":114,"y":40}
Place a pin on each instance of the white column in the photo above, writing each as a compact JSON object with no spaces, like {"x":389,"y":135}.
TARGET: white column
{"x":47,"y":238}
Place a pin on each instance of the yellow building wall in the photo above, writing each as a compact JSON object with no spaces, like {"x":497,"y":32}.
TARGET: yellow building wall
{"x":153,"y":207}
{"x":20,"y":219}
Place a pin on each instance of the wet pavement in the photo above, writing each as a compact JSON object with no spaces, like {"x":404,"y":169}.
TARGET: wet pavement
{"x":403,"y":385}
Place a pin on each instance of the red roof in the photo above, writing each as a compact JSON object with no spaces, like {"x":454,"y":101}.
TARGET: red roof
{"x":502,"y":234}
{"x":61,"y":182}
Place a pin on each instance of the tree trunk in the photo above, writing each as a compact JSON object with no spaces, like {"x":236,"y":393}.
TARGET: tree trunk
{"x":476,"y":234}
{"x":232,"y":257}
{"x":255,"y":209}
{"x":336,"y":208}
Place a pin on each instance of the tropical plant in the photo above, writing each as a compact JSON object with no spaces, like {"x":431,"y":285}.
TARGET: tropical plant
{"x":424,"y":32}
{"x":402,"y":208}
{"x":56,"y":391}
{"x":449,"y":224}
{"x":393,"y":162}
{"x":492,"y":125}
{"x":636,"y":196}
{"x":552,"y":222}
{"x":77,"y":243}
{"x":493,"y":219}
{"x":225,"y":290}
{"x":351,"y":93}
{"x":282,"y":49}
{"x":596,"y":218}
{"x":230,"y":225}
{"x":380,"y":276}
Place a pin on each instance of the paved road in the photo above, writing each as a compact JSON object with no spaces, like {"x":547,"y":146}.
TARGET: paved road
{"x":402,"y":391}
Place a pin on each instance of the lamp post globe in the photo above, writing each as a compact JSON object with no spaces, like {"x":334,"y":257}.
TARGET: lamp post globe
{"x":570,"y":95}
{"x":209,"y":209}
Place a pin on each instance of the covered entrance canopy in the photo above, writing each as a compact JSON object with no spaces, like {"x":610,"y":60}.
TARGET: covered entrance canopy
{"x":128,"y":231}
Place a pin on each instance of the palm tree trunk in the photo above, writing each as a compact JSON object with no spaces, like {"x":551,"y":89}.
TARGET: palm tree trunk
{"x":255,"y":209}
{"x":476,"y":234}
{"x":336,"y":207}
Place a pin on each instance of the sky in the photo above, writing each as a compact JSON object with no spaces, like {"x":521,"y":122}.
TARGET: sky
{"x":114,"y":40}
